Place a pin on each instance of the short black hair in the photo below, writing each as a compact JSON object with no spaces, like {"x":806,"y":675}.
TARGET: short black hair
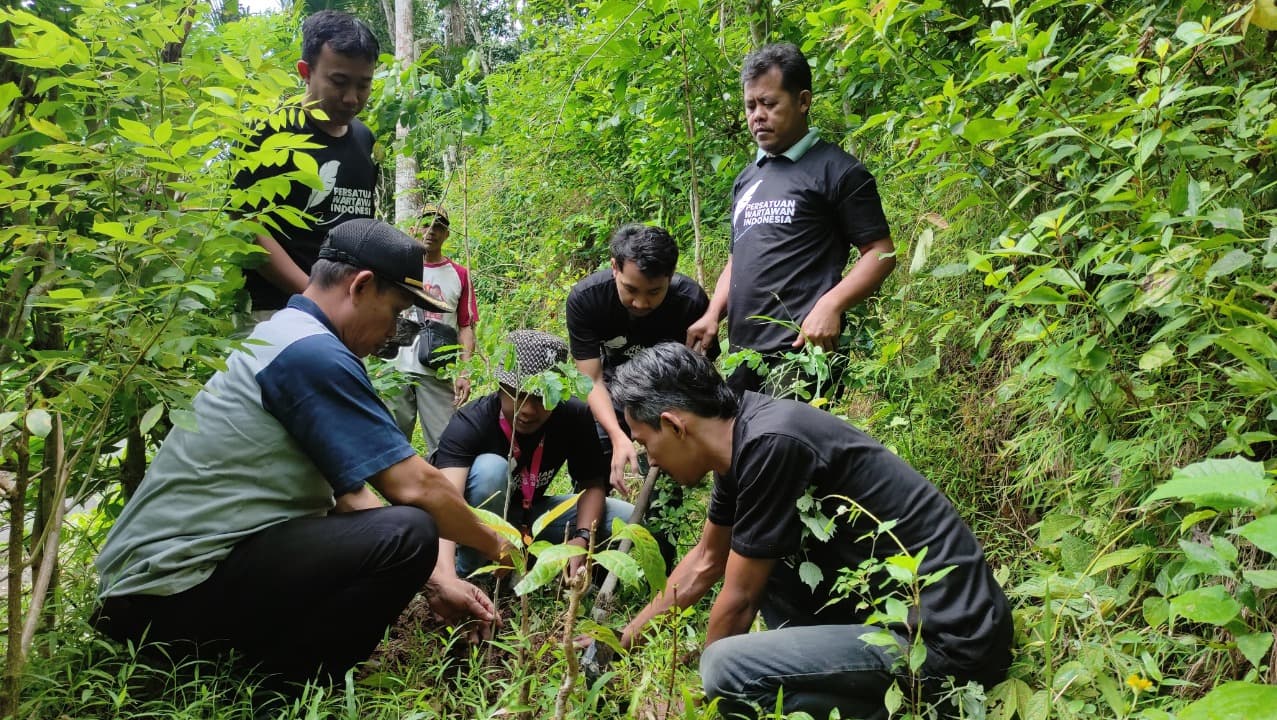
{"x":669,"y":376}
{"x":325,"y":274}
{"x":344,"y":33}
{"x":795,"y":73}
{"x":649,"y":247}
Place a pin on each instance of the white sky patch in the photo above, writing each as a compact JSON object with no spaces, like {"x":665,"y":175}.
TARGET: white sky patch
{"x":258,"y":7}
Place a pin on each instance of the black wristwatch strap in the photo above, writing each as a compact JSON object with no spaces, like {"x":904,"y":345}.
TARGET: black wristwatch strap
{"x":582,"y":533}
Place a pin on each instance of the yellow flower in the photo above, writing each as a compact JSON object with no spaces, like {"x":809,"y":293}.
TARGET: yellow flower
{"x":1138,"y":684}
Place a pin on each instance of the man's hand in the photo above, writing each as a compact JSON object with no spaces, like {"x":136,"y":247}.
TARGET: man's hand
{"x":702,"y":334}
{"x":460,"y":391}
{"x":821,"y":326}
{"x":457,"y":601}
{"x":362,"y":499}
{"x":623,"y":454}
{"x":576,"y":563}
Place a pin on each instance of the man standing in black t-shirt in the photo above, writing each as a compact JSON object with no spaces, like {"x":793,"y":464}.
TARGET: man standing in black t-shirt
{"x":615,"y":313}
{"x":796,"y":211}
{"x":339,"y":54}
{"x":771,"y":457}
{"x":474,"y":446}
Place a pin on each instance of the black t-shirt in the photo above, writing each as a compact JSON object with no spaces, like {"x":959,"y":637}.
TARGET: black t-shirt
{"x":569,"y":437}
{"x":781,"y":449}
{"x":793,"y":225}
{"x":349,"y":175}
{"x":599,"y":326}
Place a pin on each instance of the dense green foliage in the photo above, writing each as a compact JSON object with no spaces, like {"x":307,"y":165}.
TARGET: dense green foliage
{"x":1077,"y":347}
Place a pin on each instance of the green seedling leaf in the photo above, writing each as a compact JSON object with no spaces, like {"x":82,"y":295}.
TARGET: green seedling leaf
{"x":1118,"y":558}
{"x":1233,"y":701}
{"x":500,"y":526}
{"x":546,"y":518}
{"x":1220,"y":484}
{"x":600,"y":633}
{"x":647,"y":553}
{"x":626,"y":568}
{"x":1255,"y":647}
{"x":549,"y":564}
{"x":1211,"y":605}
{"x":39,"y":422}
{"x":1263,"y":579}
{"x":1263,"y":532}
{"x":1195,"y":517}
{"x":811,"y":574}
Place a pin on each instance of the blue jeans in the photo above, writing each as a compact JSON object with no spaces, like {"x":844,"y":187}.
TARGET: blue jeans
{"x":486,"y":486}
{"x":820,"y":667}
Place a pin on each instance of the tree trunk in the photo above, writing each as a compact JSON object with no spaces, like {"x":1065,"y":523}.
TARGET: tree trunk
{"x":14,"y":658}
{"x":407,"y":198}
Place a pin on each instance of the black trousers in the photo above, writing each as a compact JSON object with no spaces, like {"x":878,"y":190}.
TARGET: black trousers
{"x":307,"y":597}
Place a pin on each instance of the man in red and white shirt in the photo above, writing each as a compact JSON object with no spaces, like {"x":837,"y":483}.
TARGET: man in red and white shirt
{"x":428,"y":395}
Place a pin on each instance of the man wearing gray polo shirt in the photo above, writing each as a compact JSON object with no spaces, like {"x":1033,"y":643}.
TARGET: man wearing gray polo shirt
{"x":259,"y":531}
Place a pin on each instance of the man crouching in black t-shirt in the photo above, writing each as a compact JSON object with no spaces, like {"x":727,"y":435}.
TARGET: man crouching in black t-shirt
{"x":767,"y":455}
{"x":515,"y":423}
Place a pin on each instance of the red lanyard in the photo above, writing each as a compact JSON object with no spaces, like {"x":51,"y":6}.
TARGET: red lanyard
{"x":530,"y":472}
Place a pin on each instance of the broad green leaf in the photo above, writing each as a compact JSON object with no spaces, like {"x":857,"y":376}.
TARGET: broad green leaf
{"x":151,"y":417}
{"x":647,"y":553}
{"x":600,"y":633}
{"x":1227,"y":218}
{"x":39,"y":422}
{"x":1042,"y":295}
{"x":950,"y":270}
{"x":626,"y":568}
{"x":66,"y":293}
{"x":48,"y":129}
{"x":1262,"y":532}
{"x":163,"y":132}
{"x":1054,"y":525}
{"x":1156,"y":356}
{"x":1233,"y":701}
{"x":811,"y":574}
{"x":135,"y":131}
{"x":1212,"y":605}
{"x":1177,"y":199}
{"x":548,"y":566}
{"x":1227,"y":265}
{"x":1263,"y":579}
{"x":1118,"y":558}
{"x":553,"y":514}
{"x":1255,"y":646}
{"x":979,"y":130}
{"x":1113,"y":186}
{"x":113,"y":230}
{"x":7,"y":418}
{"x":500,"y":526}
{"x":1220,"y":484}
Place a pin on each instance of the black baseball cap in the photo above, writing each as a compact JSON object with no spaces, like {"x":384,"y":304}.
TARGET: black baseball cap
{"x":388,"y":252}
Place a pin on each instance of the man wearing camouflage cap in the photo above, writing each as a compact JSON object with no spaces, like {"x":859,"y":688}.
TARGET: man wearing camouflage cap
{"x":514,"y":422}
{"x":256,"y":530}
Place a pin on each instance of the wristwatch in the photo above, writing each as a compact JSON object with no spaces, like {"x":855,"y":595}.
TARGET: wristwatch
{"x":581,"y":533}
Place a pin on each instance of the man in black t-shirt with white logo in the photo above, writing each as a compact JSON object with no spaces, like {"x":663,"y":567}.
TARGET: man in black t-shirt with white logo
{"x":639,"y":302}
{"x":514,"y":423}
{"x":797,"y":210}
{"x":770,"y":458}
{"x":339,"y":54}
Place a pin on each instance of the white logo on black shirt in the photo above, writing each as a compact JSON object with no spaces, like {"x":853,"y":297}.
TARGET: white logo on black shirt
{"x":345,"y":200}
